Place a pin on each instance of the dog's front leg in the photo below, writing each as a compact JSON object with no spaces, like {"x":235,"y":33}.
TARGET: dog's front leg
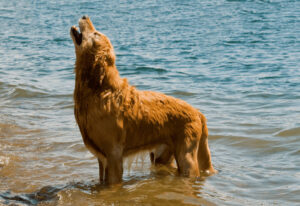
{"x":101,"y":170}
{"x":114,"y":170}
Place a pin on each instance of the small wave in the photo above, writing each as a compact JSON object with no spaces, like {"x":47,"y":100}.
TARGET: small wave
{"x":7,"y":130}
{"x":233,"y":42}
{"x":236,"y":0}
{"x":265,"y":95}
{"x":14,"y":199}
{"x":58,"y":39}
{"x":61,"y":41}
{"x":12,"y":91}
{"x":179,"y":93}
{"x":151,"y":69}
{"x":289,"y":132}
{"x":18,"y":37}
{"x":271,"y":77}
{"x":47,"y":193}
{"x":4,"y":161}
{"x":25,"y":93}
{"x":65,"y":104}
{"x":244,"y":142}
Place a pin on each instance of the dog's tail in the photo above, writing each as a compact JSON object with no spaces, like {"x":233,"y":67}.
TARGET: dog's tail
{"x":204,"y":158}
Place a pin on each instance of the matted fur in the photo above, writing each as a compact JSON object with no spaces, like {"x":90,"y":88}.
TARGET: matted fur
{"x":117,"y":120}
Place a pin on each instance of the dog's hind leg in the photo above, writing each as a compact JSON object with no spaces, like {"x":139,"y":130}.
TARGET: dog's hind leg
{"x":186,"y":158}
{"x":162,"y":155}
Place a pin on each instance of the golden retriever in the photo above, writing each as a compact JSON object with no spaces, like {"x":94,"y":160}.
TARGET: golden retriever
{"x":116,"y":120}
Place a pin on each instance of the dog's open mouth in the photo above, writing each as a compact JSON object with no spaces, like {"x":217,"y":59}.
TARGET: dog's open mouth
{"x":77,"y":35}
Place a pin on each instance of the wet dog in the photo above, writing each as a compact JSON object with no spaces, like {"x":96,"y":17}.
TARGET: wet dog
{"x":116,"y":120}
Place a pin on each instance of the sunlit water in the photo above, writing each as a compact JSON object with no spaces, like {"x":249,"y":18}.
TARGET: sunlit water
{"x":238,"y":61}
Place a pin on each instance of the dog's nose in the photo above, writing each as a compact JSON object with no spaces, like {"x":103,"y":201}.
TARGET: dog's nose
{"x":85,"y":17}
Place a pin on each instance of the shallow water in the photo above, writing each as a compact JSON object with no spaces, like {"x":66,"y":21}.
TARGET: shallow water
{"x":238,"y":61}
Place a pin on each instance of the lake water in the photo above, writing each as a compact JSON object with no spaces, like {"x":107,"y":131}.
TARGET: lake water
{"x":238,"y":61}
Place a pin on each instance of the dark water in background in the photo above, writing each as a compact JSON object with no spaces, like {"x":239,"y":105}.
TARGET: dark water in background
{"x":238,"y":61}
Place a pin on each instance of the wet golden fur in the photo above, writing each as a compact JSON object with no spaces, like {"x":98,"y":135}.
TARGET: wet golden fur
{"x":116,"y":120}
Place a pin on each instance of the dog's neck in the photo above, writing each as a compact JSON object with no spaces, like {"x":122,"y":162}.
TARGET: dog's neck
{"x":97,"y":77}
{"x":111,"y":79}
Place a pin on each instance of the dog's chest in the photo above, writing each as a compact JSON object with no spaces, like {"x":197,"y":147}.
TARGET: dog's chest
{"x":82,"y":103}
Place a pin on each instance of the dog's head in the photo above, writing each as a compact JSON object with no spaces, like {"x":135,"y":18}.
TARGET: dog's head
{"x":88,"y":41}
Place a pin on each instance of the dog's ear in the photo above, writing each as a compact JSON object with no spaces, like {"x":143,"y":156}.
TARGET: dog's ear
{"x":105,"y":60}
{"x":102,"y":73}
{"x":99,"y":72}
{"x":110,"y":58}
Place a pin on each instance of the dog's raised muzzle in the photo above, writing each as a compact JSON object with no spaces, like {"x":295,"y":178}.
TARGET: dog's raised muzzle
{"x":77,"y":35}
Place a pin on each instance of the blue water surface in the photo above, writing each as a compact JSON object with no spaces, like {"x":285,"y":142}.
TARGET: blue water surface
{"x":237,"y":61}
